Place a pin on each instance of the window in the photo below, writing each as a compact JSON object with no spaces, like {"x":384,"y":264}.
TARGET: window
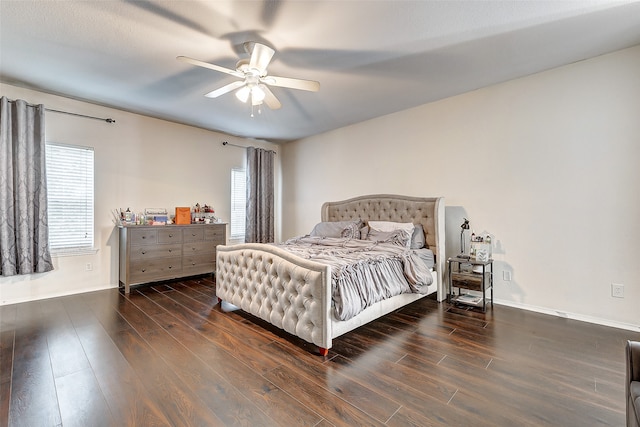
{"x":238,"y":204}
{"x":70,"y":198}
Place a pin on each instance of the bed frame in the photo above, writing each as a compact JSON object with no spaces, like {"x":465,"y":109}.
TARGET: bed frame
{"x":294,"y":294}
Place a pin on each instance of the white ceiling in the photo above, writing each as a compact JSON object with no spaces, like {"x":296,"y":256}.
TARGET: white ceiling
{"x":371,"y":57}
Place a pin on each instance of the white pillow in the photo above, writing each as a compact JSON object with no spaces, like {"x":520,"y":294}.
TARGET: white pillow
{"x":387,"y":227}
{"x":392,"y":226}
{"x":396,"y":237}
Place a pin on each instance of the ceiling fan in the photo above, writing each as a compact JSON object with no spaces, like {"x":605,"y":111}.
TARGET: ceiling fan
{"x":255,"y":79}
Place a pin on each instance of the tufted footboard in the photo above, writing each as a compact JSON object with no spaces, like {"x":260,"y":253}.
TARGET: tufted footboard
{"x":291,"y":293}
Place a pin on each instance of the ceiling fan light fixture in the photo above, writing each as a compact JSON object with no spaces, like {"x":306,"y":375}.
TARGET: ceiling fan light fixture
{"x":257,"y":95}
{"x":255,"y":91}
{"x":243,"y":93}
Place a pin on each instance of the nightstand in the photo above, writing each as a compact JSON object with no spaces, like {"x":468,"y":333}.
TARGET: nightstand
{"x":473,"y":275}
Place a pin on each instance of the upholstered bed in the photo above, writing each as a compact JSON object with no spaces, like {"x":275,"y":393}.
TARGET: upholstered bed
{"x":295,"y":294}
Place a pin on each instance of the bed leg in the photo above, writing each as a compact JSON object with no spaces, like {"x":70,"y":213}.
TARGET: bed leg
{"x":226,"y":307}
{"x":323,"y":351}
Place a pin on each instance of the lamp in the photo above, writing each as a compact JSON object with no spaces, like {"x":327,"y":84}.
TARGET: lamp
{"x":256,"y":92}
{"x":464,"y":226}
{"x":243,"y":93}
{"x":257,"y":95}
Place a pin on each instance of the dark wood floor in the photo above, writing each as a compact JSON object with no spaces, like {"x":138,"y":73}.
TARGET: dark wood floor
{"x":168,"y":355}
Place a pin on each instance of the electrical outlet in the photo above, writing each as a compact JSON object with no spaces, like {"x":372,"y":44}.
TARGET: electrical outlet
{"x":506,"y":275}
{"x":88,"y":266}
{"x":617,"y":291}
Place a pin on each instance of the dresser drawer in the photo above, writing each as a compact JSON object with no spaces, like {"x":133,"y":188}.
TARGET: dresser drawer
{"x":215,"y":233}
{"x":170,"y":235}
{"x":147,"y":270}
{"x":197,"y":248}
{"x":156,"y":251}
{"x":470,"y":281}
{"x":193,"y":234}
{"x":199,"y":264}
{"x":144,"y":236}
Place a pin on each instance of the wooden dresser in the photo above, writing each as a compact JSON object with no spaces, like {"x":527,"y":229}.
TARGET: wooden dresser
{"x":153,"y":253}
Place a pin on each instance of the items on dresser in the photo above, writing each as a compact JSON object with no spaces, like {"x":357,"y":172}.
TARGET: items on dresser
{"x":183,"y":216}
{"x":203,"y":214}
{"x":149,"y":254}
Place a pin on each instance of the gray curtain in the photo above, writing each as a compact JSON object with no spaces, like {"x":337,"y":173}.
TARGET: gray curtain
{"x":260,"y":188}
{"x":24,"y":233}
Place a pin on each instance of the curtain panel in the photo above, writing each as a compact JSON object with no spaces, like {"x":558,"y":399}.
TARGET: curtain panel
{"x":24,"y":233}
{"x":260,"y":190}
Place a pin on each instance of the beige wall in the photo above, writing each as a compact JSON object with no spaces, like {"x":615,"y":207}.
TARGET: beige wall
{"x":140,"y":163}
{"x":547,"y":164}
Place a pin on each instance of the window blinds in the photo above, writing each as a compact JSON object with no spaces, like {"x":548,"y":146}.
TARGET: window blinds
{"x":70,"y":196}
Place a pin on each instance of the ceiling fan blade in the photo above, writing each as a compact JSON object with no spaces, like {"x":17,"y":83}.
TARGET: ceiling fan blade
{"x":260,"y":57}
{"x":270,"y":99}
{"x":210,"y":66}
{"x":288,"y":82}
{"x":225,"y":89}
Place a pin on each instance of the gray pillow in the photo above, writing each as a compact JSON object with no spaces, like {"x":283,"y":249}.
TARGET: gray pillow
{"x":417,"y":239}
{"x":344,"y":229}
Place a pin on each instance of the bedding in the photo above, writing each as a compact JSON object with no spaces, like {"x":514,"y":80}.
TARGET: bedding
{"x":364,"y":272}
{"x":398,"y":237}
{"x":427,"y":257}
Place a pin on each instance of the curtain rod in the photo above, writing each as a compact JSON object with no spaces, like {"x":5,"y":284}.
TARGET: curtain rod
{"x":225,"y":143}
{"x":108,"y":120}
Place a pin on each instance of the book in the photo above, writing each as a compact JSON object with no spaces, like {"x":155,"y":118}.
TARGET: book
{"x":468,"y":298}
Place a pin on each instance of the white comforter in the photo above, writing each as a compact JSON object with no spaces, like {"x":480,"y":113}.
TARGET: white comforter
{"x":363,"y":272}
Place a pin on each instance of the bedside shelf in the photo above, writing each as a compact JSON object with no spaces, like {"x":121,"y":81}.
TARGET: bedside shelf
{"x":467,"y":279}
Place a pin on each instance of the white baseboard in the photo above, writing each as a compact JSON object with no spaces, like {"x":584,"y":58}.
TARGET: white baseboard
{"x":58,"y":294}
{"x":573,"y":316}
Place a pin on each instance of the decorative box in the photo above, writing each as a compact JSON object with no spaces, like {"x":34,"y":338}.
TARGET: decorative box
{"x":481,"y":251}
{"x":183,"y":215}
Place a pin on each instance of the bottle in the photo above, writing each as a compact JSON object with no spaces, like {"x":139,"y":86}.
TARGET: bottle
{"x":472,"y":246}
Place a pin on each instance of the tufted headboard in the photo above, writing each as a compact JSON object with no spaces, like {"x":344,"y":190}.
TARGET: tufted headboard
{"x":428,"y":211}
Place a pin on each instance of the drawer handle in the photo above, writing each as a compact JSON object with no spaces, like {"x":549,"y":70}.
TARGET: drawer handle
{"x":144,"y":252}
{"x":193,"y":235}
{"x":170,"y":267}
{"x":170,"y":235}
{"x":193,"y":263}
{"x":144,"y":237}
{"x":144,"y":269}
{"x":169,"y":250}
